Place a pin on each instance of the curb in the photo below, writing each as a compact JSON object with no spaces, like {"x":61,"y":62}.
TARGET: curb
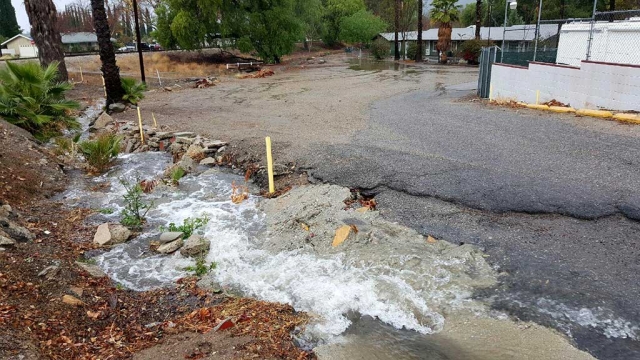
{"x":627,"y":117}
{"x":595,"y":113}
{"x":562,"y":109}
{"x":537,"y":107}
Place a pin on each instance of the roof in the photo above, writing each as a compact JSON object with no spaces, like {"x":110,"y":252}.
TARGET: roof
{"x":79,"y":37}
{"x":13,"y":38}
{"x":513,"y":33}
{"x":632,"y":25}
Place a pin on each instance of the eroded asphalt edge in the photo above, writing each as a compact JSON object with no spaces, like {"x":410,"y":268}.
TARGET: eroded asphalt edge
{"x":557,"y":259}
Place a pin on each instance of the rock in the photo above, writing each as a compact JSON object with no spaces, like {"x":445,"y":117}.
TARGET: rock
{"x":187,"y":164}
{"x":50,"y":272}
{"x":77,"y":290}
{"x":184,"y":140}
{"x":111,"y":234}
{"x":214,"y":144}
{"x":6,"y":241}
{"x":176,"y":148}
{"x":322,"y":61}
{"x":170,"y":247}
{"x":164,"y":135}
{"x":188,"y":134}
{"x":117,"y":107}
{"x":103,"y":120}
{"x":208,"y":161}
{"x":15,"y":231}
{"x":93,"y":270}
{"x":221,"y":150}
{"x":195,"y":245}
{"x":71,"y":300}
{"x":167,"y":237}
{"x":129,"y":148}
{"x":7,"y":208}
{"x":224,"y":324}
{"x":153,"y":145}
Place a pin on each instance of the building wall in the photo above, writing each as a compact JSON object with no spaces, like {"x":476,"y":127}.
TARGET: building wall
{"x":17,"y":43}
{"x":593,"y":86}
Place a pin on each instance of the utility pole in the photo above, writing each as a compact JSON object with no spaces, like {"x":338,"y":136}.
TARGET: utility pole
{"x":535,"y":49}
{"x":396,"y":5}
{"x":420,"y":51}
{"x":138,"y":42}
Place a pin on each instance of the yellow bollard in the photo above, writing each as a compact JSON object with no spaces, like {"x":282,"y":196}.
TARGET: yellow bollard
{"x":104,"y":86}
{"x":140,"y":126}
{"x":155,"y":123}
{"x":537,"y":97}
{"x":272,"y":188}
{"x":81,"y":76}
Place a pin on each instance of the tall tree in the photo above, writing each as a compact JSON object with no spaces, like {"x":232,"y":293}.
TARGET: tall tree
{"x":361,"y":27}
{"x":420,"y":26}
{"x":44,"y":30}
{"x":336,"y":10}
{"x":443,"y":13}
{"x":478,"y":18}
{"x":8,"y":23}
{"x":396,"y":28}
{"x":110,"y":70}
{"x":310,"y":14}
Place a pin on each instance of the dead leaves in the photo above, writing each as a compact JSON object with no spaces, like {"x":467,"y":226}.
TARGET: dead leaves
{"x":258,"y":74}
{"x":239,"y":193}
{"x":148,"y":185}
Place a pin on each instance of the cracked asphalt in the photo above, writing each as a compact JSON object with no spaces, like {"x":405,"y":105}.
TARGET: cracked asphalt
{"x":553,"y":200}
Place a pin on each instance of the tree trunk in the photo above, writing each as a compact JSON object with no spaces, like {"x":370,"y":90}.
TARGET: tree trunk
{"x":478,"y":18}
{"x":444,"y":41}
{"x":43,"y":19}
{"x":110,"y":70}
{"x":396,"y":6}
{"x":420,"y":51}
{"x":612,"y":5}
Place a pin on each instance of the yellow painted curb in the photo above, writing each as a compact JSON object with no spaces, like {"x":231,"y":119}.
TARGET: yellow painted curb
{"x":562,"y":109}
{"x":538,"y":107}
{"x":626,"y":117}
{"x":595,"y":113}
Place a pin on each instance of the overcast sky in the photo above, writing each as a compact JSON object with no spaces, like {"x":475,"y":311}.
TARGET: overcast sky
{"x":21,"y":14}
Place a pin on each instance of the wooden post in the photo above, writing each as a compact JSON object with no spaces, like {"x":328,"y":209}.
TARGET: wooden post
{"x":140,"y":126}
{"x":160,"y":81}
{"x":81,"y":75}
{"x":155,"y":123}
{"x":104,"y":86}
{"x":272,"y":188}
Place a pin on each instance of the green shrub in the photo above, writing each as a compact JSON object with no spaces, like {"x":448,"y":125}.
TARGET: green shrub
{"x":101,"y":151}
{"x":133,"y":91}
{"x":200,"y":268}
{"x":412,"y":51}
{"x":470,"y":50}
{"x":176,"y":174}
{"x":33,"y":99}
{"x":135,"y":208}
{"x":188,"y":226}
{"x":380,"y":49}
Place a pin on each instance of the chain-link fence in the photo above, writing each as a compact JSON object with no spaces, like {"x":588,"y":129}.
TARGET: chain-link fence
{"x":612,"y":36}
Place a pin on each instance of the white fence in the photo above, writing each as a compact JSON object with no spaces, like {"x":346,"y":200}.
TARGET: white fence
{"x":594,"y":85}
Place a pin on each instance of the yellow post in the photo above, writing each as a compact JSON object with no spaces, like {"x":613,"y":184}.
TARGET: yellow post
{"x":104,"y":86}
{"x":81,"y":76}
{"x":490,"y":92}
{"x":537,"y":97}
{"x":140,"y":126}
{"x":272,"y":188}
{"x":155,"y":123}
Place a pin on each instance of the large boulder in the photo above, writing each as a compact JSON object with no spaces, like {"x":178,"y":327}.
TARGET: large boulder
{"x":111,"y":234}
{"x":195,"y":245}
{"x":6,"y":241}
{"x":103,"y":120}
{"x":92,"y":269}
{"x":171,"y":247}
{"x":15,"y":231}
{"x":117,"y":107}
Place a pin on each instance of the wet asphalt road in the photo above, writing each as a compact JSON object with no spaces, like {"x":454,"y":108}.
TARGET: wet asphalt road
{"x":553,"y":200}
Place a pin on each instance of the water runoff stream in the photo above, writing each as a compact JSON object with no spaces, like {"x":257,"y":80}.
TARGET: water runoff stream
{"x":395,"y":296}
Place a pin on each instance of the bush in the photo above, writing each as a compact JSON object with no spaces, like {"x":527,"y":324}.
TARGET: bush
{"x":380,"y":49}
{"x":133,"y":91}
{"x":135,"y":208}
{"x":470,"y":50}
{"x":188,"y":226}
{"x":101,"y":151}
{"x":33,"y":99}
{"x":176,"y":174}
{"x":412,"y":51}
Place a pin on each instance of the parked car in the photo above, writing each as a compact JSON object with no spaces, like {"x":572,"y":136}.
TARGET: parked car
{"x":155,"y":47}
{"x":145,"y":47}
{"x":131,"y":47}
{"x":123,"y":49}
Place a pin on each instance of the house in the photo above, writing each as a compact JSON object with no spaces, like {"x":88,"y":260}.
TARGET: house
{"x":79,"y":42}
{"x":613,"y":42}
{"x":518,"y":38}
{"x":19,"y":46}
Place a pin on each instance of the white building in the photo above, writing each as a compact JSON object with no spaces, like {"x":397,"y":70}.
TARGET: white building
{"x":614,"y":42}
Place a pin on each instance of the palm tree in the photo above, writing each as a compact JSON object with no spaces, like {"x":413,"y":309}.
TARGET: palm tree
{"x":110,"y":71}
{"x":43,"y":19}
{"x":443,"y":13}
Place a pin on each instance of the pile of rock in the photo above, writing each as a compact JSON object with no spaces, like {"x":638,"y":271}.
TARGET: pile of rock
{"x":170,"y":242}
{"x":10,"y":232}
{"x":111,"y":234}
